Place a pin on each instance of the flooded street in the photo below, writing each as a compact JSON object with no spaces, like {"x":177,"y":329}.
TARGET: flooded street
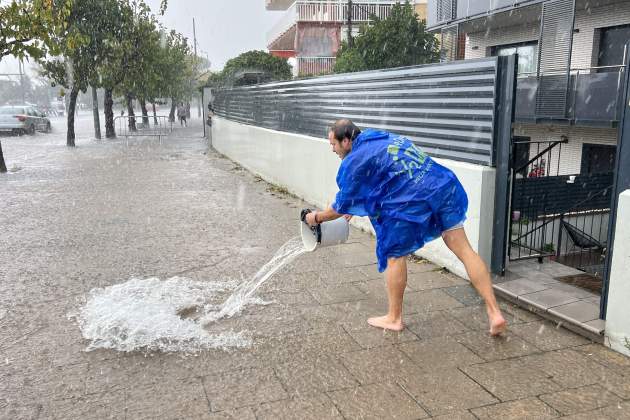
{"x":106,"y":212}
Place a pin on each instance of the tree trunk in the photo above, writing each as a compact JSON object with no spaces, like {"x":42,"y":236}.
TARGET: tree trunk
{"x":74,"y":92}
{"x":171,"y":115}
{"x":97,"y":120}
{"x":145,"y":113}
{"x":3,"y":167}
{"x":110,"y":132}
{"x":130,"y":113}
{"x":155,"y":121}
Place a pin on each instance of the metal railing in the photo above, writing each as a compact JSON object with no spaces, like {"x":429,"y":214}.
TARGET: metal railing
{"x":328,"y":11}
{"x":138,"y":126}
{"x":312,"y":66}
{"x":555,"y":214}
{"x":592,"y":93}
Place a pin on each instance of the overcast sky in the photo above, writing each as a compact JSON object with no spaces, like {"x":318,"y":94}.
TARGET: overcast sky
{"x":225,"y":28}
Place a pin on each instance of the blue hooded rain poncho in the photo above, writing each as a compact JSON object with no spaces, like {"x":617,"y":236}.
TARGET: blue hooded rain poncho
{"x":409,"y":198}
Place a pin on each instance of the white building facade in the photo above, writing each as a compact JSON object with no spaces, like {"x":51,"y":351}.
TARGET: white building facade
{"x":309,"y":32}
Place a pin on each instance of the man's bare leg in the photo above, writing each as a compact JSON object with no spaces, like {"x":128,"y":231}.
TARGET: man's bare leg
{"x":457,"y":241}
{"x":396,"y":277}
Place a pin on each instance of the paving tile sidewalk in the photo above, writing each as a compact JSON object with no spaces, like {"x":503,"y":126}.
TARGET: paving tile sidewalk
{"x":105,"y":212}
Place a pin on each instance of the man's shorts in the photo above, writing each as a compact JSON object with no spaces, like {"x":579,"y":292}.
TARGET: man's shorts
{"x":457,"y":226}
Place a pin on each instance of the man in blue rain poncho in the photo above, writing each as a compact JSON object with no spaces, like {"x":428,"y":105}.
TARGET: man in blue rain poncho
{"x":410,"y":200}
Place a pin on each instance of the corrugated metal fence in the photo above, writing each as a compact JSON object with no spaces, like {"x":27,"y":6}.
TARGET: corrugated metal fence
{"x":448,"y":109}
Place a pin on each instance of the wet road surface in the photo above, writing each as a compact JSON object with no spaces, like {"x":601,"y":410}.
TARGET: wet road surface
{"x":72,"y":220}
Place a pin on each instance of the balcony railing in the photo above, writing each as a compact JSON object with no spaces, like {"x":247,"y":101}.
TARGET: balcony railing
{"x":312,"y":66}
{"x":449,"y":10}
{"x":334,"y":11}
{"x":593,"y":95}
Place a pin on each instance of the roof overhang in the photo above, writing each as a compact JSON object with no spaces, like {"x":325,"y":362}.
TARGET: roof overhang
{"x":278,"y":4}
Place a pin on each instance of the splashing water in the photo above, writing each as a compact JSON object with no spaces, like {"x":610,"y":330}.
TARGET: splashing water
{"x":142,"y":314}
{"x":146,"y":314}
{"x":241,"y":296}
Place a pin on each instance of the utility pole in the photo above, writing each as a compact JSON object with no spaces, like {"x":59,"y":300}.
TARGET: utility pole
{"x":195,"y":66}
{"x":349,"y":24}
{"x":21,"y":67}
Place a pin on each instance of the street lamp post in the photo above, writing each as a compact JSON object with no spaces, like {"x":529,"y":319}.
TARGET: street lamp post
{"x":349,"y":24}
{"x":349,"y":20}
{"x":21,"y":66}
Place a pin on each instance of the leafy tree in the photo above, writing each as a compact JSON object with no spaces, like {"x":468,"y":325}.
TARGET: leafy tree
{"x":117,"y":58}
{"x":142,"y":45}
{"x":83,"y":44}
{"x":27,"y":26}
{"x":25,"y":31}
{"x":172,"y":71}
{"x":396,"y":41}
{"x":349,"y":60}
{"x":103,"y":36}
{"x":275,"y":67}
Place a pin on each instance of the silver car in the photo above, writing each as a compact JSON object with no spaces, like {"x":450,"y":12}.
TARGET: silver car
{"x":22,"y":119}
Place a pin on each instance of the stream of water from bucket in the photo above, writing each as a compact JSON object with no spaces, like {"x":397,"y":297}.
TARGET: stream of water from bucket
{"x":233,"y":304}
{"x":146,"y":314}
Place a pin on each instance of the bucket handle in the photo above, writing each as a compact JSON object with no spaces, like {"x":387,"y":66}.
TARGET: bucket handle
{"x":317,"y":230}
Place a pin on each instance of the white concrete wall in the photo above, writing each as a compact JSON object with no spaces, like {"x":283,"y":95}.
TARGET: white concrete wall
{"x":307,"y":167}
{"x":618,"y":312}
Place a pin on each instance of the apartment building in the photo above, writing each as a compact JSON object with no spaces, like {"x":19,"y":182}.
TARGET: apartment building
{"x":310,"y":32}
{"x":571,"y":56}
{"x":571,"y":71}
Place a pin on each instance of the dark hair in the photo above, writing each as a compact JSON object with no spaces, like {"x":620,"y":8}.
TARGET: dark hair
{"x":345,"y":128}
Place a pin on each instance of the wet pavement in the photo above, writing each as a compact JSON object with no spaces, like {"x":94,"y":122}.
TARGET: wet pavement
{"x":76,"y":219}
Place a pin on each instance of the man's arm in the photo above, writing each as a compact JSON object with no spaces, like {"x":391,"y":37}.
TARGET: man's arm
{"x":317,"y":217}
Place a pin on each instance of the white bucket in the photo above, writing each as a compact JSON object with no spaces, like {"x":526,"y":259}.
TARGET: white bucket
{"x":330,"y":233}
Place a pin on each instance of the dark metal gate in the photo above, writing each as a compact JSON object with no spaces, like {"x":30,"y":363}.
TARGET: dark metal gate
{"x":558,"y":212}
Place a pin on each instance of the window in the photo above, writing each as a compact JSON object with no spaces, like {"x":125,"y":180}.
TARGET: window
{"x":527,"y":56}
{"x":446,"y":10}
{"x":612,"y":43}
{"x":598,"y":158}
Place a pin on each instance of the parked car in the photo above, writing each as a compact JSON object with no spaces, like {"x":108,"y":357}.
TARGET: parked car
{"x":25,"y":119}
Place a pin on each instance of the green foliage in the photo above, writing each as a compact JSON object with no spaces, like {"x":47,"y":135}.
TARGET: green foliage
{"x":349,"y":60}
{"x":139,"y":53}
{"x":175,"y":67}
{"x":215,"y":79}
{"x":27,"y":27}
{"x":84,"y":43}
{"x":274,"y":68}
{"x":399,"y":40}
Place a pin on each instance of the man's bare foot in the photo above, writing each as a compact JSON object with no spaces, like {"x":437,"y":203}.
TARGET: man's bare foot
{"x":498,"y":324}
{"x":385,"y":322}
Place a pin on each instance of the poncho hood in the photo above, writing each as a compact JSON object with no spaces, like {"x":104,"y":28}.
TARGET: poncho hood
{"x":368,"y":135}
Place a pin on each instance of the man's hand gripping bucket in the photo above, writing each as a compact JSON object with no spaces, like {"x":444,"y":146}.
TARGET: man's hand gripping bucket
{"x":330,"y":233}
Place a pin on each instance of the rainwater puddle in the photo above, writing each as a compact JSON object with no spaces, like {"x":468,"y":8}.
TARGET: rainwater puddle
{"x":154,"y":315}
